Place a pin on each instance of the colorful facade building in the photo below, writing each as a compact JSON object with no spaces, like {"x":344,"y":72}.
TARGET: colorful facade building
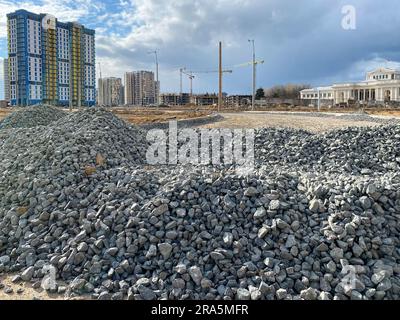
{"x":50,"y":61}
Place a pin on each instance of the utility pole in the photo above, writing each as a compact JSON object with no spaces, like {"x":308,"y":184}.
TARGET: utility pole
{"x":180,"y":82}
{"x":253,"y":100}
{"x":191,"y":76}
{"x":155,"y":52}
{"x":180,"y":85}
{"x":220,"y":78}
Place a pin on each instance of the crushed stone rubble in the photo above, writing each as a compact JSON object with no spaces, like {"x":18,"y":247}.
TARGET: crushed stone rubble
{"x":353,"y":116}
{"x":38,"y":115}
{"x":317,"y":220}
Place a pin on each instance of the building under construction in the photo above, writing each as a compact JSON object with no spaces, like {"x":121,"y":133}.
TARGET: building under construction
{"x":50,"y":61}
{"x":174,"y":99}
{"x":111,"y":92}
{"x":141,"y":89}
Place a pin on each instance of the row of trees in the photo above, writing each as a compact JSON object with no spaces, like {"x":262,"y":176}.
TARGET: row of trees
{"x":288,"y":91}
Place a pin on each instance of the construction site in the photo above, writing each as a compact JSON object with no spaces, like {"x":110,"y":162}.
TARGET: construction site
{"x":88,"y":212}
{"x":84,"y":216}
{"x":117,"y":191}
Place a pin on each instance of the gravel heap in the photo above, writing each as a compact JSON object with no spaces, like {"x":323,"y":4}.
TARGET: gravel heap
{"x":40,"y":115}
{"x":355,"y":150}
{"x":78,"y":196}
{"x":355,"y":116}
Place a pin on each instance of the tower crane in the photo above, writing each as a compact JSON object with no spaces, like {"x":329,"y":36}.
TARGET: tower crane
{"x":100,"y":70}
{"x":220,"y":72}
{"x":191,"y":76}
{"x":253,"y":63}
{"x":248,"y":63}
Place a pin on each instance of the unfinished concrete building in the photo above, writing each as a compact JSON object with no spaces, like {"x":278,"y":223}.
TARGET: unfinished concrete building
{"x":140,"y":88}
{"x":110,"y":92}
{"x":205,"y":99}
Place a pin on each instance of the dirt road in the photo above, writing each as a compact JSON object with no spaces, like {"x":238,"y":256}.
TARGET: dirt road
{"x":286,"y":120}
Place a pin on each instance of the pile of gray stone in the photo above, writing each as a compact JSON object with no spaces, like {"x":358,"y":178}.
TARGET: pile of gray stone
{"x":353,"y":150}
{"x":82,"y":213}
{"x":33,"y":116}
{"x":354,"y":116}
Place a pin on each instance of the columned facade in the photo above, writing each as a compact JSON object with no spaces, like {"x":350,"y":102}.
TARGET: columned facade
{"x":381,"y":86}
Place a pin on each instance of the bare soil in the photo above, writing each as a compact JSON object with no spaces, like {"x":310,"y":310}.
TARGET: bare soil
{"x":285,"y":120}
{"x":28,"y":293}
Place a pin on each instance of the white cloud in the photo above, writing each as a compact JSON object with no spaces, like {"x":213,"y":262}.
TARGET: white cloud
{"x":64,"y":10}
{"x":187,"y":34}
{"x":298,"y":40}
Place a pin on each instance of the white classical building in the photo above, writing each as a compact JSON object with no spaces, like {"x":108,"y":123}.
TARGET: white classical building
{"x":381,"y":85}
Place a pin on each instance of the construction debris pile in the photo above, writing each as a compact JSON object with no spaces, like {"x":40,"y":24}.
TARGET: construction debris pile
{"x":314,"y":221}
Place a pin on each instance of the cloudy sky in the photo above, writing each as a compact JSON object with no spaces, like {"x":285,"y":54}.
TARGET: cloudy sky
{"x":300,"y":41}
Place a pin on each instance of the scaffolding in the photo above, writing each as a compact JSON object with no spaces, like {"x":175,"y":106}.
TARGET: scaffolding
{"x":50,"y":85}
{"x":76,"y":66}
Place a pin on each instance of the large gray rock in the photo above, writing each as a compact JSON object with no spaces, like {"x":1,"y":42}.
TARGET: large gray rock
{"x":27,"y":274}
{"x":196,"y":274}
{"x":165,"y":249}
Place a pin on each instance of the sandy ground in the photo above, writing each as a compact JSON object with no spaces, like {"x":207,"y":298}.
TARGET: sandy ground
{"x":284,"y":120}
{"x":28,"y":292}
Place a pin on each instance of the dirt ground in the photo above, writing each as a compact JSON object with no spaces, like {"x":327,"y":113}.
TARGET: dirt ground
{"x":144,"y":116}
{"x":4,"y":113}
{"x":28,"y":292}
{"x":147,"y":115}
{"x":284,"y":120}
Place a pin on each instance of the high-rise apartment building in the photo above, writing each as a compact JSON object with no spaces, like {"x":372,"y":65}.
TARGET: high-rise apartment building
{"x":6,"y":80}
{"x":140,"y":88}
{"x":110,"y":92}
{"x":50,"y":61}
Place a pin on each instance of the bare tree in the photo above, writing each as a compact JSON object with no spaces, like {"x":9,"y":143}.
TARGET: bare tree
{"x":288,"y":91}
